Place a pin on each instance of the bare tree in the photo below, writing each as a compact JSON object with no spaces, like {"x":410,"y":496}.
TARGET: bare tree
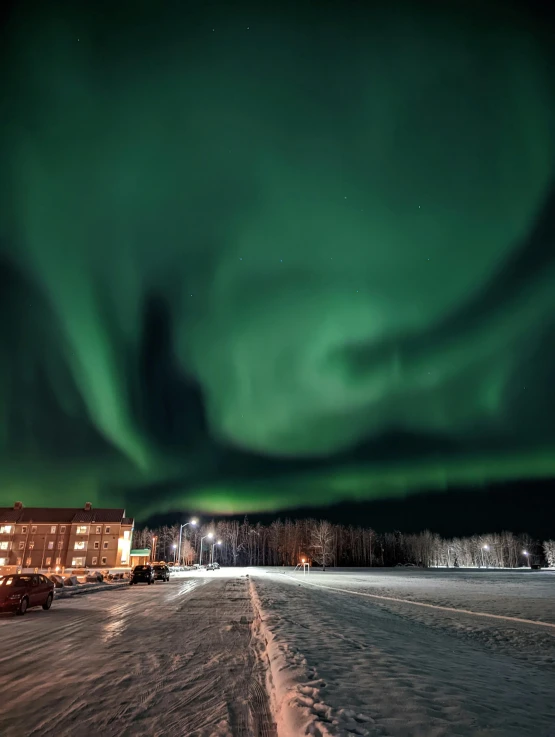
{"x":321,"y":540}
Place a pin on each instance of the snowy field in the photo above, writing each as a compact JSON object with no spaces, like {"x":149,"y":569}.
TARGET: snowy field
{"x":343,"y":653}
{"x":354,"y":652}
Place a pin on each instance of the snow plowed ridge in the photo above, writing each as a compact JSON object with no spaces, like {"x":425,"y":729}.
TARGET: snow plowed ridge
{"x":175,"y":658}
{"x":348,"y":666}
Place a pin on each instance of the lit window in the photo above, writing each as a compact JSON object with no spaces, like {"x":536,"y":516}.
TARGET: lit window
{"x":126,"y":535}
{"x":5,"y":529}
{"x":105,"y":545}
{"x":94,"y":561}
{"x":4,"y":546}
{"x":82,"y":530}
{"x":80,"y":545}
{"x":78,"y":562}
{"x":104,"y":561}
{"x":60,"y":544}
{"x":58,"y":561}
{"x":31,"y":546}
{"x":62,"y":529}
{"x":53,"y":530}
{"x":99,"y":530}
{"x":22,"y":546}
{"x":18,"y":562}
{"x":2,"y":561}
{"x":48,"y":561}
{"x":23,"y":530}
{"x":28,"y":562}
{"x":96,"y":545}
{"x":33,"y":530}
{"x":51,"y":545}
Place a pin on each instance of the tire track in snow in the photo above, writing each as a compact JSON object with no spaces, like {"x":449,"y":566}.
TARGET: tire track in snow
{"x":537,"y":623}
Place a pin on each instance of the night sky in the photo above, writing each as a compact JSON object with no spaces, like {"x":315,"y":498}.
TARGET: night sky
{"x":287,"y":255}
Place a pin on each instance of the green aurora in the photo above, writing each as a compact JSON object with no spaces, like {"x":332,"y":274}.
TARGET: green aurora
{"x":258,"y":260}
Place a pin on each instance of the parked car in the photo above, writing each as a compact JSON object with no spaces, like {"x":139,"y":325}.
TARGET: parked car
{"x":216,"y":566}
{"x":18,"y":592}
{"x":161,"y":573}
{"x":142,"y":574}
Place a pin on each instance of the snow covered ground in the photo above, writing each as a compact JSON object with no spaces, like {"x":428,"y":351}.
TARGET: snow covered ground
{"x":354,"y":653}
{"x":175,"y":658}
{"x":340,"y":653}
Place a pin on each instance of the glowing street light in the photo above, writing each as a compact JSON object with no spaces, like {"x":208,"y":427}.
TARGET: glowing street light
{"x":484,"y":547}
{"x":527,"y":554}
{"x":209,"y":536}
{"x":192,"y":522}
{"x":174,"y":546}
{"x":219,"y":542}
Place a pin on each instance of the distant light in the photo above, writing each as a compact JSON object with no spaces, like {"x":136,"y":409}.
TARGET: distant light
{"x":210,"y":535}
{"x":302,"y":560}
{"x":194,"y":521}
{"x":219,"y":542}
{"x":486,"y":547}
{"x":174,"y":546}
{"x":525,"y":552}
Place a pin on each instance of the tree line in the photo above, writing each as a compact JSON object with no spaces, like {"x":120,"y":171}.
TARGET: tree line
{"x":318,"y":542}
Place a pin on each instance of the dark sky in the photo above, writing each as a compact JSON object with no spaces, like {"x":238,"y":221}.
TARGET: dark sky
{"x":286,"y":255}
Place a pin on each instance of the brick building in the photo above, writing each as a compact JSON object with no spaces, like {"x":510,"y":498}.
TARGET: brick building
{"x":42,"y":537}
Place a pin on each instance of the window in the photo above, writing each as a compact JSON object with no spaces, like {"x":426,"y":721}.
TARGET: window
{"x":96,"y":545}
{"x":94,"y":561}
{"x":58,"y":561}
{"x":107,"y":530}
{"x":2,"y":561}
{"x":60,"y":544}
{"x":28,"y":562}
{"x":104,"y":561}
{"x":51,"y":545}
{"x":4,"y":546}
{"x":77,"y":562}
{"x":80,"y":545}
{"x":23,"y":530}
{"x":48,"y":561}
{"x":82,"y":530}
{"x":33,"y":530}
{"x":99,"y":530}
{"x":105,"y":544}
{"x":62,"y":530}
{"x":18,"y":562}
{"x":53,"y":530}
{"x":22,"y":546}
{"x":5,"y":529}
{"x":31,"y":546}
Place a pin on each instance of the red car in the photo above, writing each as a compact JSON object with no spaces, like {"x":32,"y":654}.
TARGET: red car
{"x":20,"y":591}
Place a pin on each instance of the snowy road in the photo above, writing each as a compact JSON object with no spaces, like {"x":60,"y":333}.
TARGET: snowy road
{"x":175,"y":658}
{"x":344,"y":663}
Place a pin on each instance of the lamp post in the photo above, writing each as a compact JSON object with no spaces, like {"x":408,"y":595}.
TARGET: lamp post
{"x":174,"y":546}
{"x":153,"y":549}
{"x":527,"y":554}
{"x":219,"y":542}
{"x":191,"y":522}
{"x":484,"y":547}
{"x":209,"y":536}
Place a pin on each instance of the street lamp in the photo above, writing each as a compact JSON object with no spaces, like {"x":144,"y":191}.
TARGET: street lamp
{"x":191,"y":522}
{"x":153,"y":549}
{"x":174,"y":546}
{"x":209,"y":536}
{"x":219,"y":542}
{"x":484,"y":547}
{"x":527,"y":554}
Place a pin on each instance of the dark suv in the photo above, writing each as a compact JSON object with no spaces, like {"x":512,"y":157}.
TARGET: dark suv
{"x":19,"y":591}
{"x":142,"y":574}
{"x":161,"y":573}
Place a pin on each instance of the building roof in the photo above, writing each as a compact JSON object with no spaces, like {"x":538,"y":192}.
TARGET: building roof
{"x":67,"y":515}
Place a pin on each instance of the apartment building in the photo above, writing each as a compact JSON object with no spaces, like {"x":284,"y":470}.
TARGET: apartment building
{"x":50,"y":538}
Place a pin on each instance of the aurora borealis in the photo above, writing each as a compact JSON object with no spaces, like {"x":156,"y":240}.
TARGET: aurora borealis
{"x":252,"y":259}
